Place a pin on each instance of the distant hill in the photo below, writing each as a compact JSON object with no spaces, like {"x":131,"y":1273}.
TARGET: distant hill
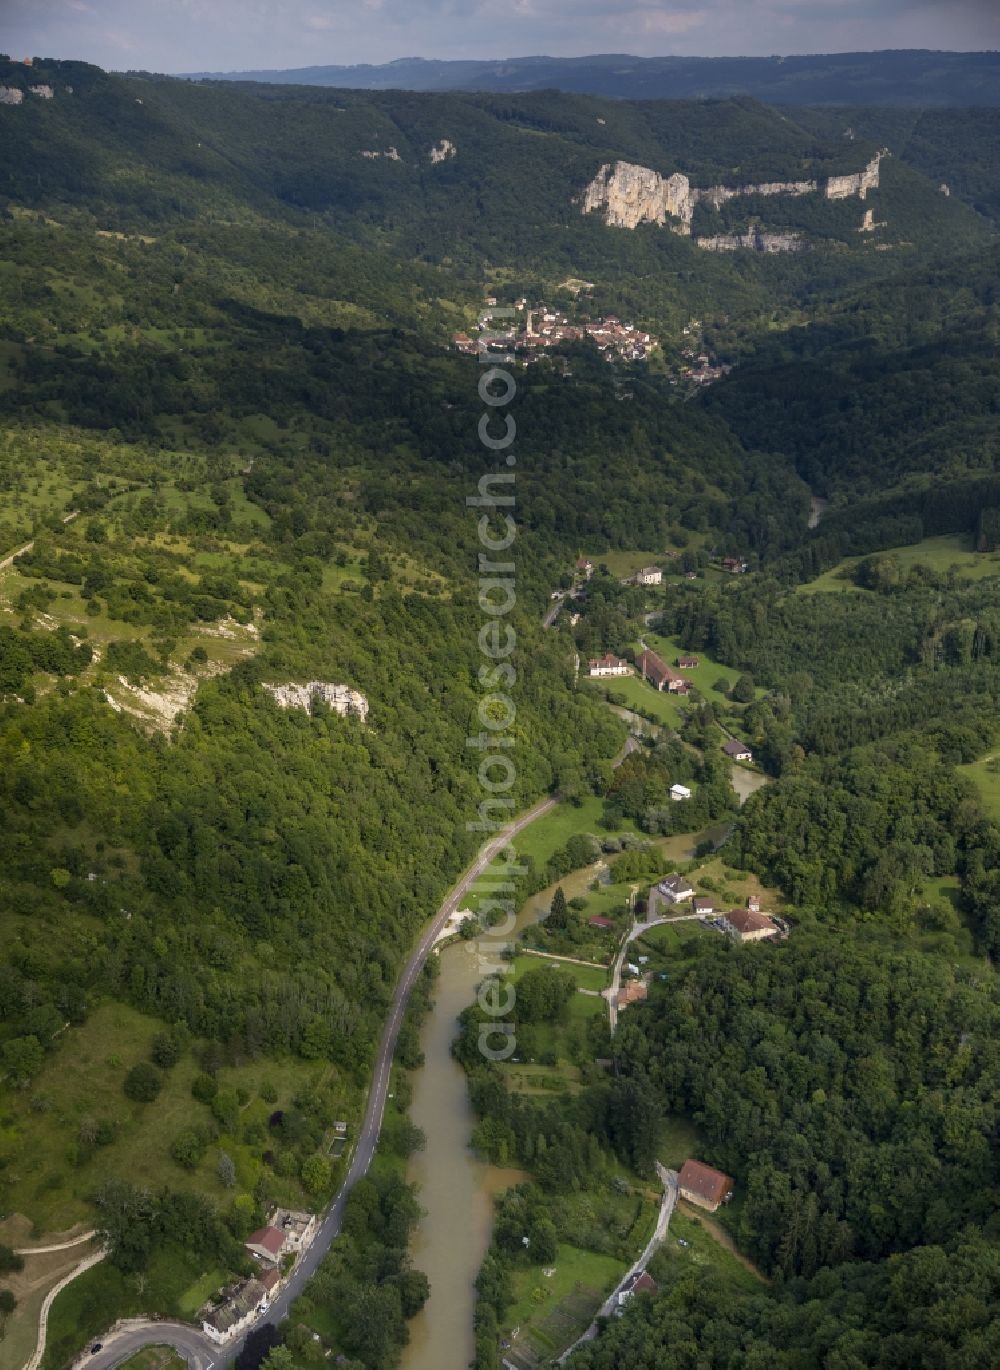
{"x":906,"y":78}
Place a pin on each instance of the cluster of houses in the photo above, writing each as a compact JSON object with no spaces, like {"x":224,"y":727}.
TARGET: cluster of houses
{"x":699,"y":369}
{"x":748,"y":924}
{"x":544,"y":328}
{"x":651,"y":667}
{"x":286,"y":1233}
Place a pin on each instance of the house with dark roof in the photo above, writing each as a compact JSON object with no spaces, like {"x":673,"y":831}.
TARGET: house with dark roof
{"x":703,"y":904}
{"x":739,"y":751}
{"x":702,"y":1185}
{"x":241,"y":1305}
{"x":675,"y":889}
{"x":659,"y":674}
{"x":687,"y":663}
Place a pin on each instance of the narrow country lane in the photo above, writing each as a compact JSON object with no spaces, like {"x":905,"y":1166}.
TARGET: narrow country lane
{"x":196,"y":1349}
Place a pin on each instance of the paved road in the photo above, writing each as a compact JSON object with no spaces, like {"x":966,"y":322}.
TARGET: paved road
{"x":197,"y":1350}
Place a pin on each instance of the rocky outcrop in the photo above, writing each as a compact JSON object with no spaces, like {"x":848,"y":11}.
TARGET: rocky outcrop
{"x":10,"y":95}
{"x":754,"y":240}
{"x":390,"y":153}
{"x":442,"y":151}
{"x":43,"y":92}
{"x":630,"y":195}
{"x":340,"y":698}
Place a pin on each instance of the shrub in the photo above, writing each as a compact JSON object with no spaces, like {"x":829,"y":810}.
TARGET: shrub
{"x":142,"y":1083}
{"x":165,"y":1050}
{"x":204,"y":1088}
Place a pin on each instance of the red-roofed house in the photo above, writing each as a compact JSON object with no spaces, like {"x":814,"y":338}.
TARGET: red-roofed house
{"x":639,"y":1283}
{"x":746,"y":925}
{"x":267,"y":1243}
{"x":599,"y":921}
{"x":702,"y":1185}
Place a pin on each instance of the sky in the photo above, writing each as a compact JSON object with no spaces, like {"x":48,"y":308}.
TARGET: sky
{"x":233,"y":35}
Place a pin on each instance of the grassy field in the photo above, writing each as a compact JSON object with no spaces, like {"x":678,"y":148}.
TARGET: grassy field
{"x":704,"y":676}
{"x":638,"y":695}
{"x":985,"y":775}
{"x":708,"y":1246}
{"x":29,"y":1286}
{"x":543,"y":838}
{"x":83,"y":1079}
{"x":102,"y":1295}
{"x":551,"y":1312}
{"x":154,"y":1358}
{"x":623,"y":563}
{"x":941,"y":554}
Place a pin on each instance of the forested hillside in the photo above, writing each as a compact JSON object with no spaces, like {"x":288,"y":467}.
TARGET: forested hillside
{"x":904,"y":78}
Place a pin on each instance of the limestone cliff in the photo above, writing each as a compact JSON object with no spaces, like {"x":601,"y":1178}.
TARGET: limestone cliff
{"x":340,"y":698}
{"x":441,"y":151}
{"x":754,"y":240}
{"x":630,"y":195}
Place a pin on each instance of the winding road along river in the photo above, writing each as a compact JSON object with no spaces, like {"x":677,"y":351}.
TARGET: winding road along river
{"x":192,"y":1344}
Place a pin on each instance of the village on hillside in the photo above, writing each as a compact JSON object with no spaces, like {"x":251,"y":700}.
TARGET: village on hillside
{"x":540,"y":328}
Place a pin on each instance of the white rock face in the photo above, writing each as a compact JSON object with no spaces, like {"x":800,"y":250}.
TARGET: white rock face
{"x":630,"y":195}
{"x":43,"y":92}
{"x":843,"y":187}
{"x":753,"y":241}
{"x":340,"y":698}
{"x":443,"y":150}
{"x":10,"y":95}
{"x":390,"y":153}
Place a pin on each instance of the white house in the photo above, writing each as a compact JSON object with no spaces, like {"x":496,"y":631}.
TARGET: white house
{"x":679,"y":792}
{"x":608,"y":665}
{"x":649,"y":575}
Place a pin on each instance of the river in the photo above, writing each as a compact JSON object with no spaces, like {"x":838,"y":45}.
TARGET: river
{"x":456,"y":1189}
